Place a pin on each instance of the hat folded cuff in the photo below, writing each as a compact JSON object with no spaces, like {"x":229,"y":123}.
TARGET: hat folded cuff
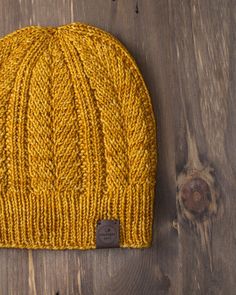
{"x":67,"y":219}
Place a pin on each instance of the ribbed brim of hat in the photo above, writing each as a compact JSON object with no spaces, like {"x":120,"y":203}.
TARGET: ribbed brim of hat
{"x":68,"y":221}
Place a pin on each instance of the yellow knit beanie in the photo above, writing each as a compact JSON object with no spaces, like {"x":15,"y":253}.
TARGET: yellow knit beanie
{"x":78,"y":150}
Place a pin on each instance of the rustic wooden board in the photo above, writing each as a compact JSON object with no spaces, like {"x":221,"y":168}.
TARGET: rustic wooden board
{"x":186,"y":52}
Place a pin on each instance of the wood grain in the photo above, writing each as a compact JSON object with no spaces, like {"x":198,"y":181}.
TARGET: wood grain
{"x":186,"y":52}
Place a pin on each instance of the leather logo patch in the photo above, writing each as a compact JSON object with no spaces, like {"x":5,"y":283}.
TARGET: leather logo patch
{"x":107,"y":234}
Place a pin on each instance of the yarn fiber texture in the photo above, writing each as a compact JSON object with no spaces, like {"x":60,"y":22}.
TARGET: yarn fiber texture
{"x":77,"y":139}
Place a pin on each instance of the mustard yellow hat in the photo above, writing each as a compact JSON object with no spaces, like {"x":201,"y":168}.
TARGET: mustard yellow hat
{"x":78,"y":148}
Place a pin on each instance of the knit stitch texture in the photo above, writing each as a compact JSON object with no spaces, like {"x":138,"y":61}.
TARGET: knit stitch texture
{"x":77,"y":139}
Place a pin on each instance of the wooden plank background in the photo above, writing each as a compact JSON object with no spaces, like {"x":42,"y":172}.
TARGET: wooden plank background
{"x":186,"y":52}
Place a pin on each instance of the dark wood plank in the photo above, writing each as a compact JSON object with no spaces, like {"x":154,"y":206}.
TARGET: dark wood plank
{"x":202,"y":44}
{"x":186,"y":52}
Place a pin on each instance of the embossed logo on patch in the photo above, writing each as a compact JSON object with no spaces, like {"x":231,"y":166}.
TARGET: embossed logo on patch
{"x":107,"y":234}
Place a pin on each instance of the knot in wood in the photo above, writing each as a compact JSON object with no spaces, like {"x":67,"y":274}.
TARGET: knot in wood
{"x":195,"y":195}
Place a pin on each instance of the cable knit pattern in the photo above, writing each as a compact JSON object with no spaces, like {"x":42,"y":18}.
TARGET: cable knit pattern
{"x":77,"y":139}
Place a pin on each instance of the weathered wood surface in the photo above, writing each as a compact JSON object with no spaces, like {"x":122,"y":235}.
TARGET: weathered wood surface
{"x":186,"y":52}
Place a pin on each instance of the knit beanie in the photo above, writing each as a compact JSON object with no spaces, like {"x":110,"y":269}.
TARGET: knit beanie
{"x":78,"y":150}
